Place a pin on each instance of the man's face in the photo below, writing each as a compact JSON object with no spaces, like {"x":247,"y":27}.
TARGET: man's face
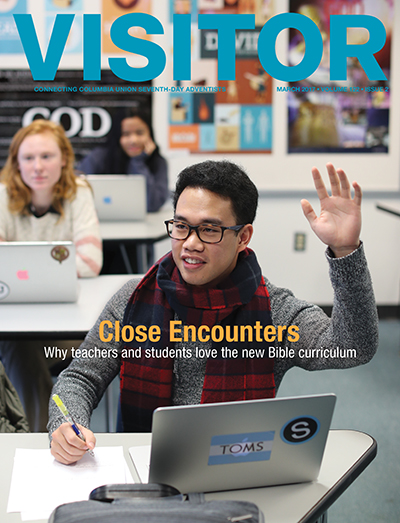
{"x":202,"y":263}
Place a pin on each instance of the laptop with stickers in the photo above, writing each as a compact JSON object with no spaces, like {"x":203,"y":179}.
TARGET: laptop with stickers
{"x":119,"y":197}
{"x":38,"y":272}
{"x":237,"y":445}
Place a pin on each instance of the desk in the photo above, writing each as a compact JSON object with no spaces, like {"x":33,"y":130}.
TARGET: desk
{"x":389,"y":210}
{"x":347,"y":454}
{"x":60,"y":320}
{"x":47,"y":321}
{"x":139,"y":233}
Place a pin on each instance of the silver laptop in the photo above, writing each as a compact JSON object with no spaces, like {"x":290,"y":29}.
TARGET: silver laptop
{"x":244,"y":444}
{"x":33,"y":272}
{"x":119,"y":197}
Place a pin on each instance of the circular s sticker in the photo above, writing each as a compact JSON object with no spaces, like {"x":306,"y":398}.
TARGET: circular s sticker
{"x":60,"y":253}
{"x":300,"y":429}
{"x":4,"y":290}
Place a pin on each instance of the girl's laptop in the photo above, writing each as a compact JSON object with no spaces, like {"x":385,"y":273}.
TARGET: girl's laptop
{"x":243,"y":444}
{"x":119,"y":197}
{"x":33,"y":272}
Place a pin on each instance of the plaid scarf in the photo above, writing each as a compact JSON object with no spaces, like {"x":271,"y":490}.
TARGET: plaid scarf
{"x":241,"y":299}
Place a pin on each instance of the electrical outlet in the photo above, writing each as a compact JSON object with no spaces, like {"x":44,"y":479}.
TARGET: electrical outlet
{"x":299,"y":241}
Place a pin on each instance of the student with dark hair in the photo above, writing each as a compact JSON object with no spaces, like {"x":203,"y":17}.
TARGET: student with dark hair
{"x":131,"y":149}
{"x":211,"y":282}
{"x":226,"y":179}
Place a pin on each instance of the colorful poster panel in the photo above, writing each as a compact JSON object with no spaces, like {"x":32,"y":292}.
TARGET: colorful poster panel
{"x":85,"y":115}
{"x":74,"y":41}
{"x":256,"y":127}
{"x":349,"y":116}
{"x":210,"y":5}
{"x":9,"y":36}
{"x":180,"y":108}
{"x":203,"y":74}
{"x":252,"y":85}
{"x":183,"y":7}
{"x":184,"y":137}
{"x":203,"y":108}
{"x":246,"y":43}
{"x":64,"y":5}
{"x":231,"y":116}
{"x":262,"y":9}
{"x":113,"y":9}
{"x":227,"y":122}
{"x":207,"y":140}
{"x":192,"y":119}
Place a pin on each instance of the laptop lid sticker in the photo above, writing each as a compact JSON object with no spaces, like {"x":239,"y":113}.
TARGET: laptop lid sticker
{"x":60,"y":253}
{"x":300,"y":429}
{"x":241,"y":448}
{"x":4,"y":290}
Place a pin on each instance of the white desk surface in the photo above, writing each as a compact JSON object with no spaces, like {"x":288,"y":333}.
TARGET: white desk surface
{"x":346,"y":455}
{"x":61,"y":319}
{"x":150,"y":230}
{"x":391,"y":208}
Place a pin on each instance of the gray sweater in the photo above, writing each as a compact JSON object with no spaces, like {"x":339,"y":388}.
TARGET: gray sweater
{"x":347,"y":339}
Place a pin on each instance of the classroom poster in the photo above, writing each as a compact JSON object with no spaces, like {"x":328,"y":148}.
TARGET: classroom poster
{"x":223,"y":116}
{"x":9,"y":38}
{"x":343,"y":116}
{"x":84,"y":111}
{"x":112,"y":9}
{"x":55,"y":7}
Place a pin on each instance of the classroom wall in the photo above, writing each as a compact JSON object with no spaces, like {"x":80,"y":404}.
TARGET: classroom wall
{"x":306,"y":272}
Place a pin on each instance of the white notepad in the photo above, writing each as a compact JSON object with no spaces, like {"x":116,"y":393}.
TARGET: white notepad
{"x":39,"y":483}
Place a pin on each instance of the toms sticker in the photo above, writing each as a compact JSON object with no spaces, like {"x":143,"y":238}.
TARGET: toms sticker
{"x":299,"y":430}
{"x":60,"y":253}
{"x":241,"y":448}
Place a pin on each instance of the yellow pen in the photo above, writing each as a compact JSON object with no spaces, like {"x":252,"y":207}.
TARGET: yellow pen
{"x":69,"y":419}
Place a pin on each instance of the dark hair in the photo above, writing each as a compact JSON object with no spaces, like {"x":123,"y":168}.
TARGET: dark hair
{"x":116,"y":160}
{"x":226,"y":179}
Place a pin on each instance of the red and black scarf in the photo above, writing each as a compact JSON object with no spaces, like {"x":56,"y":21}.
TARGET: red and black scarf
{"x":241,"y":299}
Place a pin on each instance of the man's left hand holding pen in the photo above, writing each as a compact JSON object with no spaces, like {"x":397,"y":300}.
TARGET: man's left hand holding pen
{"x":67,"y":447}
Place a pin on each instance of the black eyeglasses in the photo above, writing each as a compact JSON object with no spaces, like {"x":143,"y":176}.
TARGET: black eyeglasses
{"x":207,"y":233}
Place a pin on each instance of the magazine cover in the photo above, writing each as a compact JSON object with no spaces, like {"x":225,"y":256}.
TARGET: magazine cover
{"x":253,"y":117}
